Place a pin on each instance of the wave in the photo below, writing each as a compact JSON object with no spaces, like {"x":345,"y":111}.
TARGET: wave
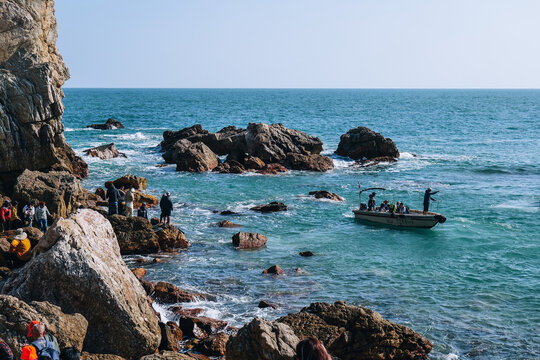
{"x":407,"y":155}
{"x":510,"y":170}
{"x":67,"y":129}
{"x":136,"y":136}
{"x":519,"y":205}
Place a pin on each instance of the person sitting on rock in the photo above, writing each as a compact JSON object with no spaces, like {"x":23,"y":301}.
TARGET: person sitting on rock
{"x":70,"y":353}
{"x":5,"y":216}
{"x":5,"y":351}
{"x":40,"y":341}
{"x":19,"y":250}
{"x":113,"y":197}
{"x":48,"y":336}
{"x":28,"y":214}
{"x":130,"y":197}
{"x":166,"y":206}
{"x":311,"y":349}
{"x":42,"y":213}
{"x":142,"y":212}
{"x":371,"y":202}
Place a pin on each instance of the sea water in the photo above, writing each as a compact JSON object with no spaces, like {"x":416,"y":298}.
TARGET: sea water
{"x":470,"y":285}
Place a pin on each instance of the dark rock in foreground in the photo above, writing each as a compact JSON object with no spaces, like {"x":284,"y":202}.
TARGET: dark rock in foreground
{"x":171,"y":335}
{"x":272,"y":207}
{"x":105,"y":152}
{"x":169,"y":294}
{"x":323,"y":194}
{"x":306,"y":253}
{"x":363,"y":143}
{"x":263,"y":304}
{"x":110,"y":124}
{"x":244,"y":240}
{"x":213,"y":345}
{"x":354,"y":332}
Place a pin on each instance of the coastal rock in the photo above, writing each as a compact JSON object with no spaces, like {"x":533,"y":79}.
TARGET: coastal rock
{"x":263,"y":304}
{"x":135,"y":235}
{"x":306,"y":253}
{"x":31,"y":75}
{"x":171,"y":335}
{"x":105,"y":152}
{"x":139,"y":273}
{"x":253,"y":163}
{"x":60,"y":190}
{"x":192,"y":157}
{"x":275,"y":270}
{"x":227,"y":224}
{"x":324,"y":194}
{"x":272,"y":169}
{"x":374,"y":161}
{"x":110,"y":124}
{"x":226,"y":141}
{"x":272,"y":207}
{"x":228,"y":212}
{"x":101,"y":193}
{"x":200,"y":327}
{"x":192,"y":134}
{"x":213,"y":345}
{"x":168,"y":355}
{"x":170,"y":237}
{"x":355,"y":332}
{"x":230,"y":167}
{"x":87,"y":356}
{"x":15,"y":315}
{"x":85,"y":263}
{"x":314,"y":162}
{"x":263,"y":340}
{"x":245,"y":241}
{"x":178,"y":310}
{"x":168,"y":293}
{"x":364,"y":143}
{"x":140,"y":197}
{"x":131,"y":181}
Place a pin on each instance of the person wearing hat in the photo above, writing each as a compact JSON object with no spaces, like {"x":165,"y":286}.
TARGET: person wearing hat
{"x":19,"y":250}
{"x":142,"y":212}
{"x":428,"y":198}
{"x":166,"y":206}
{"x":35,"y":333}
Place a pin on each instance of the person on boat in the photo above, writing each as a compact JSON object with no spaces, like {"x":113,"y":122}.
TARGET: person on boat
{"x":392,"y":208}
{"x":384,"y":206}
{"x":428,"y":199}
{"x":400,"y":208}
{"x":371,"y":202}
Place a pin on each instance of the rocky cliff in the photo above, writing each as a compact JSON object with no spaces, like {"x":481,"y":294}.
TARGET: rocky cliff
{"x":31,"y":75}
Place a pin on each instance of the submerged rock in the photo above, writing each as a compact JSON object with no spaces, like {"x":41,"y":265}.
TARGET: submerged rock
{"x":227,"y":224}
{"x":104,"y":152}
{"x":274,"y":269}
{"x":110,"y":124}
{"x":84,"y":272}
{"x":263,"y":304}
{"x":272,"y":207}
{"x":245,"y":241}
{"x":324,"y":194}
{"x":355,"y":332}
{"x":263,"y":340}
{"x":364,"y":143}
{"x":306,"y":253}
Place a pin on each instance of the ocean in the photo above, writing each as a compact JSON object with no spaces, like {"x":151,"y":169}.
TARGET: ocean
{"x":470,"y":285}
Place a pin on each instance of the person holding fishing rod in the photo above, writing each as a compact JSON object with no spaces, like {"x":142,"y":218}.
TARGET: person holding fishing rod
{"x":428,"y":199}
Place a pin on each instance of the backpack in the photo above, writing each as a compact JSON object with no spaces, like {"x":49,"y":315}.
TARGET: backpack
{"x":45,"y":350}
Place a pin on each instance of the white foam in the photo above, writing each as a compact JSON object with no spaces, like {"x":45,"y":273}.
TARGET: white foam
{"x":406,"y":155}
{"x":519,"y":205}
{"x":341,"y":163}
{"x":136,"y":136}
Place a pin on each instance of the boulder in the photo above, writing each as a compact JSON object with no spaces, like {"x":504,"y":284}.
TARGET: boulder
{"x":275,"y":270}
{"x":131,"y":181}
{"x":178,"y":310}
{"x":110,"y":124}
{"x":213,"y":345}
{"x":140,"y":197}
{"x":15,"y":315}
{"x":171,"y":335}
{"x":230,"y":167}
{"x":227,"y":224}
{"x":105,"y":152}
{"x":169,"y":294}
{"x":192,"y":157}
{"x":323,"y":194}
{"x":87,"y":356}
{"x":200,"y":327}
{"x":263,"y":340}
{"x":306,"y":253}
{"x":60,"y":191}
{"x":355,"y":332}
{"x":193,"y":134}
{"x":263,"y":304}
{"x":245,"y":240}
{"x":85,"y":263}
{"x":272,"y":169}
{"x":272,"y":207}
{"x":135,"y":235}
{"x":228,"y":212}
{"x":226,"y":141}
{"x":313,"y":162}
{"x":253,"y":163}
{"x":170,"y":237}
{"x":167,"y":355}
{"x":139,"y":273}
{"x":363,"y":143}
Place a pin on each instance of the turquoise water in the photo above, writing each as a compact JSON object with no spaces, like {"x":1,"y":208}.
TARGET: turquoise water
{"x":471,"y":285}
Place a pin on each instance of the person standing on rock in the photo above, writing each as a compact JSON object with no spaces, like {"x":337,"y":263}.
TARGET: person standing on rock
{"x":113,"y":197}
{"x":5,"y":216}
{"x":42,"y":213}
{"x":28,"y":214}
{"x":130,"y":197}
{"x":166,"y":206}
{"x":142,"y":212}
{"x":311,"y":349}
{"x":428,"y":199}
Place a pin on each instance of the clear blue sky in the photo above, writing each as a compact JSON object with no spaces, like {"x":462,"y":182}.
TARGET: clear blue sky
{"x":301,"y":43}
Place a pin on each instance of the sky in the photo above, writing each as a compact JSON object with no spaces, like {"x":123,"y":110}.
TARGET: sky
{"x":300,"y":43}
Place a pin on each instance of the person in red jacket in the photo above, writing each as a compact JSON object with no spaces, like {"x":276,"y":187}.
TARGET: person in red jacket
{"x":5,"y":216}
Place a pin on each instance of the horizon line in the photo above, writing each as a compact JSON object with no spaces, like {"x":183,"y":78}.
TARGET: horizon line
{"x":305,"y":88}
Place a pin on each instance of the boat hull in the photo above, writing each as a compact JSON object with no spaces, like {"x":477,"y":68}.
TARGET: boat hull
{"x":415,"y":219}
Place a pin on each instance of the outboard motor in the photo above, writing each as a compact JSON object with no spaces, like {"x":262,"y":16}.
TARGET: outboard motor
{"x":441,"y":219}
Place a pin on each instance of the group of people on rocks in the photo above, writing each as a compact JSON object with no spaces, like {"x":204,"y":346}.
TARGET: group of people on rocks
{"x":31,"y":212}
{"x":41,"y":345}
{"x":117,"y":197}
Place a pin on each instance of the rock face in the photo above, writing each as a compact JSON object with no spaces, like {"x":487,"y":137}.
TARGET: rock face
{"x":263,"y":340}
{"x":355,"y":332}
{"x":60,"y":190}
{"x":15,"y":315}
{"x":84,"y":272}
{"x":272,"y":207}
{"x":363,"y":143}
{"x":324,"y":194}
{"x":31,"y":75}
{"x":170,"y":237}
{"x":105,"y":152}
{"x":245,"y":241}
{"x":110,"y":124}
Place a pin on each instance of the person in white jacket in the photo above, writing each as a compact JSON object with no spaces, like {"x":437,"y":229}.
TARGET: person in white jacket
{"x":130,"y":197}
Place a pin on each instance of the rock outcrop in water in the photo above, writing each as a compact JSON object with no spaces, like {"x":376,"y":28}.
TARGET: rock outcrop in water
{"x":104,"y":152}
{"x":31,"y":75}
{"x":83,"y":272}
{"x":110,"y":124}
{"x":362,"y":143}
{"x":254,"y":148}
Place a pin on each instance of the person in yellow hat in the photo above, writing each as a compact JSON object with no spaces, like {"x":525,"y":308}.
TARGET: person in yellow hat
{"x":19,"y":251}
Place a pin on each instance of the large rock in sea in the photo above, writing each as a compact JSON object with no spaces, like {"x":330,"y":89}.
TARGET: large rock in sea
{"x":246,"y":241}
{"x":193,"y":157}
{"x":263,"y":340}
{"x":363,"y":143}
{"x":131,"y":181}
{"x":355,"y":332}
{"x":110,"y":124}
{"x":84,"y":273}
{"x":104,"y":152}
{"x":15,"y":315}
{"x":60,"y":190}
{"x":31,"y":75}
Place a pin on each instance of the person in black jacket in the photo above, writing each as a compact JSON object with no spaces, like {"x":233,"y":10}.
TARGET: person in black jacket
{"x":166,"y":208}
{"x":428,"y":199}
{"x":142,"y":212}
{"x":113,"y":197}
